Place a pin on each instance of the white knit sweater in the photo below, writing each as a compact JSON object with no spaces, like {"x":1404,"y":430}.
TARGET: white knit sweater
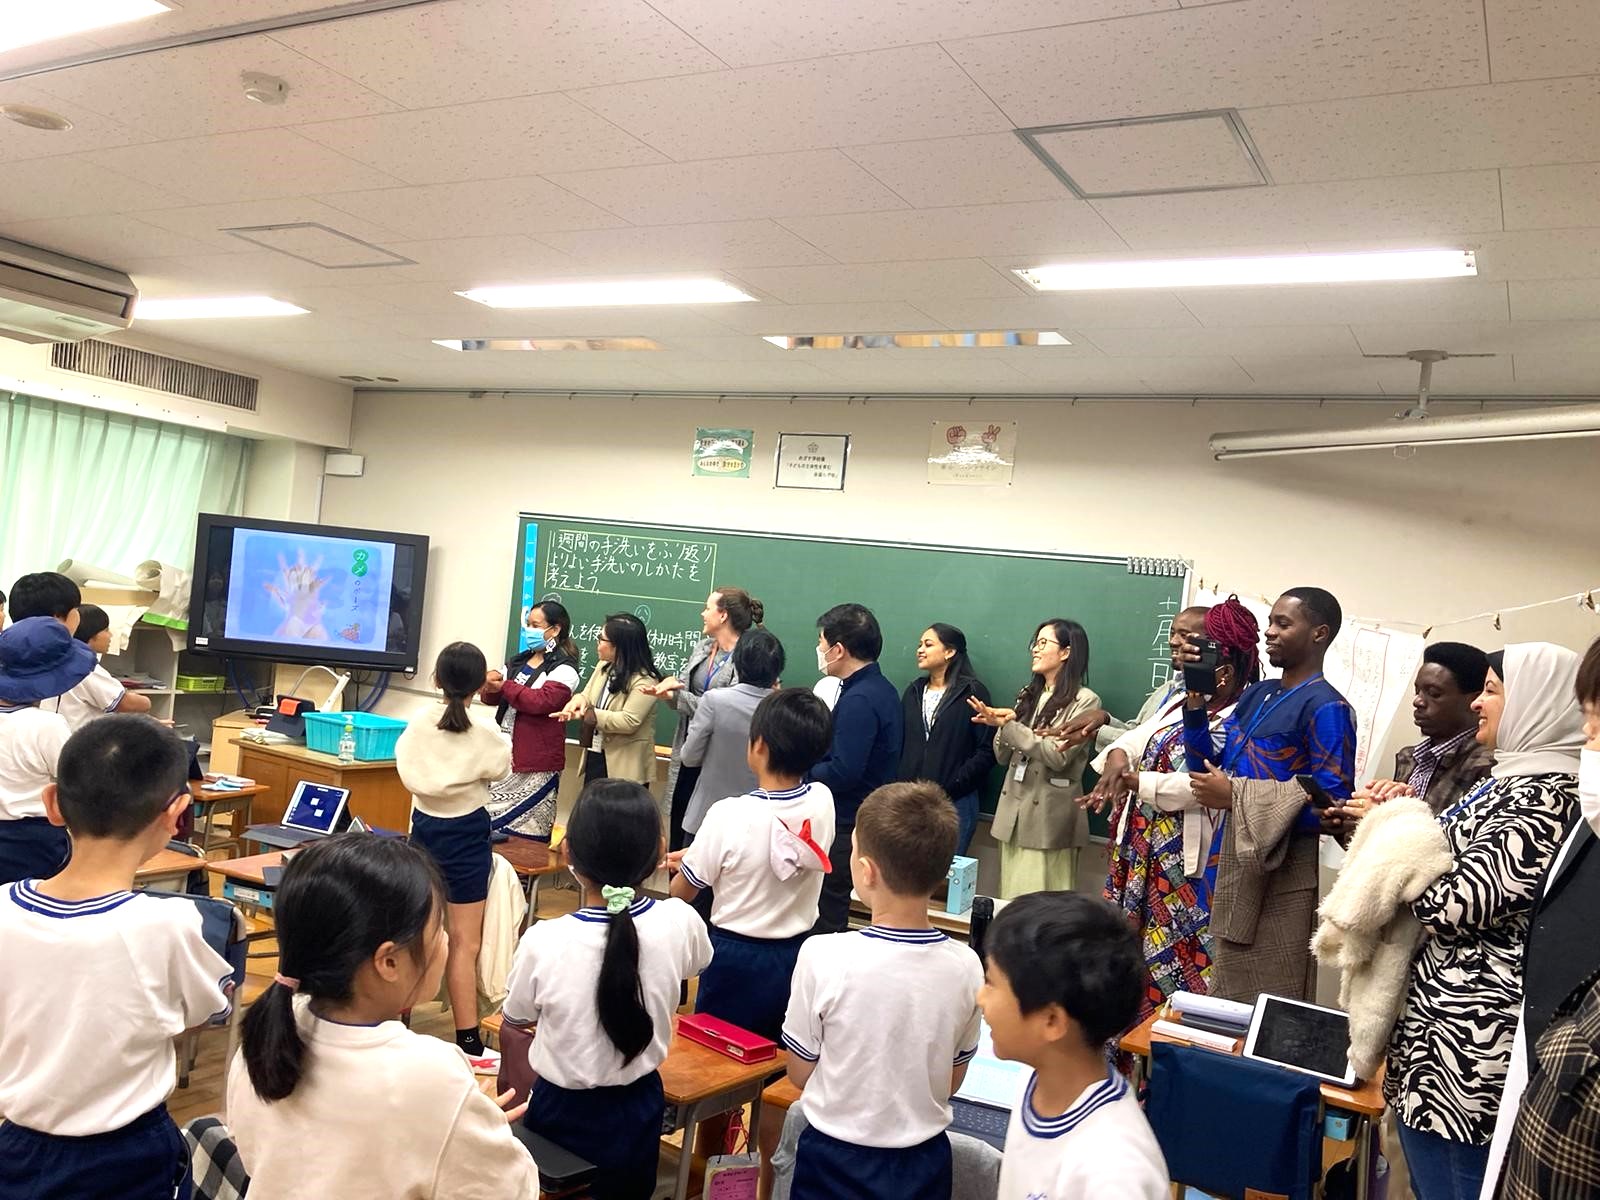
{"x":448,"y":774}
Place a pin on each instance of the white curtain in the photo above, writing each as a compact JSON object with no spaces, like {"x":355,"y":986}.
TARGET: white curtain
{"x":106,"y":488}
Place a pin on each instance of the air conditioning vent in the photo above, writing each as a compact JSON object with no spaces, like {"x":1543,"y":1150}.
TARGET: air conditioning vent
{"x":140,"y":368}
{"x":48,"y":297}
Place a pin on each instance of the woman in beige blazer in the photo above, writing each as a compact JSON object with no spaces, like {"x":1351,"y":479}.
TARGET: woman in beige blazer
{"x":1038,"y":822}
{"x":619,"y":729}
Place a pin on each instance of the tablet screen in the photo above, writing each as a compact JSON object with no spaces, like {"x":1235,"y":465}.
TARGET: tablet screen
{"x":1313,"y":1039}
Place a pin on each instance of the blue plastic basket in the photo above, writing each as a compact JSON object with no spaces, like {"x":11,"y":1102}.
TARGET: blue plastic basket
{"x":375,"y":735}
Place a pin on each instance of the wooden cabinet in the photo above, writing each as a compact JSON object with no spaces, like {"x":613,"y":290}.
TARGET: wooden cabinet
{"x":376,"y":794}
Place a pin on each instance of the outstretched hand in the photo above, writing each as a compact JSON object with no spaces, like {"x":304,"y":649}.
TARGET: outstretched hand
{"x":1212,"y":788}
{"x":983,"y":714}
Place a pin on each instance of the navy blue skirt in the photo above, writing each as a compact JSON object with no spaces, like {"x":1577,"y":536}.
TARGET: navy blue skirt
{"x":616,"y":1128}
{"x":747,"y":982}
{"x":32,"y":848}
{"x":461,"y":847}
{"x":827,"y":1169}
{"x":144,"y":1160}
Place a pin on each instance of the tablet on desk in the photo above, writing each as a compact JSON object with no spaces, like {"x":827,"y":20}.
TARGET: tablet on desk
{"x":1303,"y":1037}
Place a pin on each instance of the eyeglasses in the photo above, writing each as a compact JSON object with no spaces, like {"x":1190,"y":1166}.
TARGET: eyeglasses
{"x":1043,"y":644}
{"x":604,"y":638}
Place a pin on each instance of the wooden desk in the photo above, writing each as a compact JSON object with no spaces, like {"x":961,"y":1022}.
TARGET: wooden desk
{"x":208,"y":804}
{"x":166,"y":866}
{"x":1365,"y":1100}
{"x":376,"y":794}
{"x":243,"y":881}
{"x":532,"y":861}
{"x":698,"y":1083}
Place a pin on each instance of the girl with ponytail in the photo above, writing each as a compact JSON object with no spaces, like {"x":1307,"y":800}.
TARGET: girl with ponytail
{"x":602,"y":984}
{"x":326,"y":1062}
{"x":447,"y":761}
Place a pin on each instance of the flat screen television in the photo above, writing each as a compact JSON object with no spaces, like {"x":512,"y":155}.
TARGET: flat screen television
{"x":291,"y":592}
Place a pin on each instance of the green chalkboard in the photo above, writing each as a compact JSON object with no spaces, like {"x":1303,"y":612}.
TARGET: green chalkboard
{"x":663,"y":573}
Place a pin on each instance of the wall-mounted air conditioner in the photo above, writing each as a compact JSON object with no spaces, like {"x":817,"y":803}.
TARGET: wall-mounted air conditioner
{"x":48,"y":297}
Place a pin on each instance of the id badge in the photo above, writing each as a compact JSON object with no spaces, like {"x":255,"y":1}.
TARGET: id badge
{"x":1019,"y":773}
{"x":599,"y":742}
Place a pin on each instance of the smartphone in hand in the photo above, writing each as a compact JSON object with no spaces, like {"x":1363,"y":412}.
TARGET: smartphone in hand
{"x":1200,"y":674}
{"x":1319,"y":795}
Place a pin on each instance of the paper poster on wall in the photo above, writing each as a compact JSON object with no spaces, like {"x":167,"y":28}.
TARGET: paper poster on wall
{"x":724,"y":453}
{"x":977,"y":453}
{"x":812,"y":460}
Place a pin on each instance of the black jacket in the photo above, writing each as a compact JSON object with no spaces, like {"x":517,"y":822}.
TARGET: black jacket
{"x":1561,"y":953}
{"x":957,"y":754}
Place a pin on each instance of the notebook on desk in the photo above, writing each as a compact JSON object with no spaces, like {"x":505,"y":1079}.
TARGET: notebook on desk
{"x":981,"y":1107}
{"x":315,"y":811}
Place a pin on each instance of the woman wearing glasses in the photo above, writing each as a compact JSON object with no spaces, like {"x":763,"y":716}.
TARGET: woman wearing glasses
{"x":1038,"y":822}
{"x":617,"y":707}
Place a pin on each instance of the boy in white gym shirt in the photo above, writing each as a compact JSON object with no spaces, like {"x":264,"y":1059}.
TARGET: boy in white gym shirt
{"x":1064,"y":976}
{"x":883,"y":1021}
{"x":99,"y":979}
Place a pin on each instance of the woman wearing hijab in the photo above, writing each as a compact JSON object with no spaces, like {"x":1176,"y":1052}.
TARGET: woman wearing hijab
{"x":1452,"y":1045}
{"x":1163,"y":867}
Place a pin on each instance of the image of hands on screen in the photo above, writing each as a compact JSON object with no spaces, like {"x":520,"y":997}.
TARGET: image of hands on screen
{"x":306,"y":589}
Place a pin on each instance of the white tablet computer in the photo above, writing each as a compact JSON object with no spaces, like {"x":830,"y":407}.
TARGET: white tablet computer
{"x":1303,"y":1037}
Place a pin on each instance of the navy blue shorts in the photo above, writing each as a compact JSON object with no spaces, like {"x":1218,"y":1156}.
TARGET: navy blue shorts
{"x":827,"y":1169}
{"x":144,"y":1160}
{"x":32,"y":848}
{"x":616,"y":1128}
{"x":747,"y":981}
{"x":461,"y":847}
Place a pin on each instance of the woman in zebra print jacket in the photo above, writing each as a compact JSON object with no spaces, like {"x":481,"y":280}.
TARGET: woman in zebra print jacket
{"x":1452,"y":1044}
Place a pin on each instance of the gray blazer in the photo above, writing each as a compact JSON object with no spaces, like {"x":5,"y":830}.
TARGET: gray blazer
{"x":718,"y":739}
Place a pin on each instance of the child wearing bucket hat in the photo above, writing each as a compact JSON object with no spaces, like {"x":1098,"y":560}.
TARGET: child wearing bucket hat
{"x":39,"y":660}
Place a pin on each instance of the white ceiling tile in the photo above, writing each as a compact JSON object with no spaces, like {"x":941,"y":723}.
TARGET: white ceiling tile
{"x":746,"y":32}
{"x":1555,"y":197}
{"x":313,"y":330}
{"x":1556,"y":300}
{"x":1506,"y":337}
{"x":992,"y":230}
{"x":1566,"y":371}
{"x":195,"y":90}
{"x":232,"y":274}
{"x":984,"y":168}
{"x":1210,"y":374}
{"x":731,"y":189}
{"x":1422,"y":206}
{"x":1539,"y":254}
{"x":719,"y":378}
{"x":875,"y":317}
{"x":1539,"y":39}
{"x":1083,"y":310}
{"x":107,"y":239}
{"x":1337,"y":376}
{"x":490,"y":207}
{"x":470,"y":261}
{"x":727,"y":347}
{"x":688,"y":247}
{"x":239,"y":166}
{"x":1349,"y":303}
{"x":434,"y":311}
{"x":965,"y":278}
{"x":1082,"y":376}
{"x":1241,"y":55}
{"x":1497,"y":125}
{"x":1283,"y":340}
{"x":206,"y":222}
{"x":905,"y":369}
{"x":434,"y":54}
{"x":74,"y":186}
{"x":90,"y":130}
{"x":1152,"y":156}
{"x":1457,"y":377}
{"x":887,"y":95}
{"x":492,"y":139}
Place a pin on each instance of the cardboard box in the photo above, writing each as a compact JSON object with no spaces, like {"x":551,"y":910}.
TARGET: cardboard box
{"x":961,"y":885}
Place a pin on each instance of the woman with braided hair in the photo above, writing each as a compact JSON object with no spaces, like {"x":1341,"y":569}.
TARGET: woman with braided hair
{"x":1163,"y":867}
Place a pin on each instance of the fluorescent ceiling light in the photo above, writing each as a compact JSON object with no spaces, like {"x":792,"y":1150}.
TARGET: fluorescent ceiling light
{"x":605,"y":293}
{"x":1368,"y":267}
{"x":28,"y":24}
{"x":549,"y":343}
{"x":215,"y":307}
{"x":941,"y":339}
{"x":1578,"y":420}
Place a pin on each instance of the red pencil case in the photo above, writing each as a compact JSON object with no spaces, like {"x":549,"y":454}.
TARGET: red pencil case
{"x":726,"y":1039}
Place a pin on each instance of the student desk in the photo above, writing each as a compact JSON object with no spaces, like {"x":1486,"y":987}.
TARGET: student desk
{"x":957,"y":925}
{"x":1365,"y":1100}
{"x":698,"y":1083}
{"x":243,"y":881}
{"x":166,"y":866}
{"x":209,"y":804}
{"x":532,"y":861}
{"x":376,"y":794}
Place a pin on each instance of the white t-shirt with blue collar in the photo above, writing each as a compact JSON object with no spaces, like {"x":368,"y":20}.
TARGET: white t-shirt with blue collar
{"x":1101,"y":1148}
{"x":556,"y":972}
{"x":887,"y":1015}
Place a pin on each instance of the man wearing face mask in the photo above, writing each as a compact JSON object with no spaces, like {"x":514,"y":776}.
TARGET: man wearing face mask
{"x":867,"y":735}
{"x":1548,"y":1131}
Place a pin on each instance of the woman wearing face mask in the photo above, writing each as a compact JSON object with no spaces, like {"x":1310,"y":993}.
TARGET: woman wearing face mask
{"x":728,"y":613}
{"x":1546,"y":1150}
{"x":1452,"y":1045}
{"x":1037,"y":821}
{"x":536,"y":683}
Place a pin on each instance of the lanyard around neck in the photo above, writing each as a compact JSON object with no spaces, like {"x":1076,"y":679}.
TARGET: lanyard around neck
{"x":1461,"y":806}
